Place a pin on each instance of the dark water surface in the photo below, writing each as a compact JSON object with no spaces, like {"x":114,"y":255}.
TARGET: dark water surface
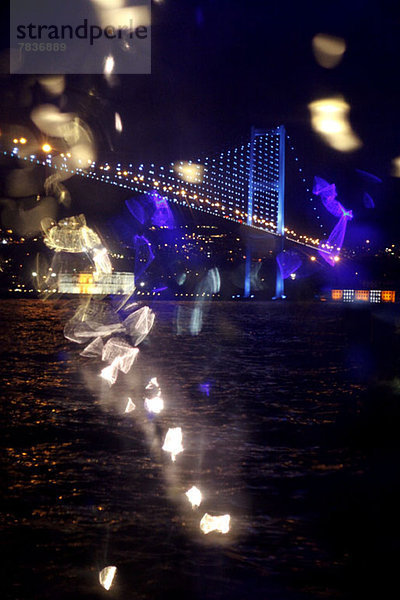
{"x":297,"y":440}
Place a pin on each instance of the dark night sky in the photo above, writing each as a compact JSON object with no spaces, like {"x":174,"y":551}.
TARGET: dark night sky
{"x":220,"y":66}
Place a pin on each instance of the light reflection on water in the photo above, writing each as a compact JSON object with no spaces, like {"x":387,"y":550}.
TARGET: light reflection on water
{"x":89,"y":485}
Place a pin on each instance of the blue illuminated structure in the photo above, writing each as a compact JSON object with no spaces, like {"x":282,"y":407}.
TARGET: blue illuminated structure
{"x":279,"y":288}
{"x":249,"y":212}
{"x":266,"y":183}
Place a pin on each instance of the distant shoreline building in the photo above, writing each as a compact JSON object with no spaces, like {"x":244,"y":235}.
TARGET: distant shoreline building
{"x":372,"y":296}
{"x":96,"y":283}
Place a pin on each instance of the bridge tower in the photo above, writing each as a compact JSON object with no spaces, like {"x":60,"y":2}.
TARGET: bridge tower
{"x":280,"y":224}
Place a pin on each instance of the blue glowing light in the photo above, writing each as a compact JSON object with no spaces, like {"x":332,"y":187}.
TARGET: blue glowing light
{"x":369,"y":176}
{"x":205,"y":388}
{"x":368,"y":201}
{"x":289,"y":262}
{"x":136,"y":209}
{"x":162,"y":214}
{"x":327,"y":193}
{"x":330,"y":249}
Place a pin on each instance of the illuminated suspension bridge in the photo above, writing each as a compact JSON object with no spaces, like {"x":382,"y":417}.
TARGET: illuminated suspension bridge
{"x":245,"y":184}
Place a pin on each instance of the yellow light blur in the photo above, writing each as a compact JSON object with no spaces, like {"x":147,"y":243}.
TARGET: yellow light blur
{"x":189,"y":172}
{"x":23,"y":140}
{"x":336,"y":258}
{"x":313,"y":258}
{"x":53,"y":84}
{"x":109,"y":3}
{"x":328,"y":50}
{"x":15,"y":141}
{"x":396,"y":167}
{"x":329,"y":118}
{"x":46,"y":148}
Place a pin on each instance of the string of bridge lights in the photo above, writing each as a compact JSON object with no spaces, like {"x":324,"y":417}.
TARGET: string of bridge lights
{"x":307,"y":187}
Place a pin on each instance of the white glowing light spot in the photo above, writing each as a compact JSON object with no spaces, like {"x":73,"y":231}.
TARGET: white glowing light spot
{"x":220,"y":523}
{"x":130,"y":406}
{"x":194,"y":496}
{"x":106,"y":577}
{"x":154,"y":405}
{"x":173,"y":442}
{"x":109,"y":65}
{"x":118,"y":122}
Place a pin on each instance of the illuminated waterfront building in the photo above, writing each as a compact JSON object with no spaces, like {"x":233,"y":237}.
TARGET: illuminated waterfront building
{"x":94,"y":283}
